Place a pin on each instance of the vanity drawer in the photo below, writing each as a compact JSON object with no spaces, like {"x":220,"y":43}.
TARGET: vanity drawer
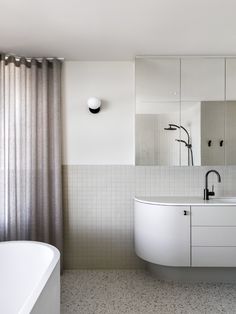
{"x":214,"y":256}
{"x":213,"y":215}
{"x":214,"y":236}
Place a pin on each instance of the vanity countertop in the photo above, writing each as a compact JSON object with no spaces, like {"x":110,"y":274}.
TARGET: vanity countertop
{"x":186,"y":200}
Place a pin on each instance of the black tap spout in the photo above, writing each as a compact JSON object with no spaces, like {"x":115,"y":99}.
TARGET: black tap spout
{"x":207,"y":193}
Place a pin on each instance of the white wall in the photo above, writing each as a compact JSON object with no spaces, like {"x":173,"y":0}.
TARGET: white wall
{"x":104,"y":138}
{"x":98,"y":200}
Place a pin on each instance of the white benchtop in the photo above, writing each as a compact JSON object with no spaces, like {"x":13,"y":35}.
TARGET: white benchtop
{"x":186,"y":200}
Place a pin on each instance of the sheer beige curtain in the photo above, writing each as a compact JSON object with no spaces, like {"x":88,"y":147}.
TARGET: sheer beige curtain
{"x":30,"y":150}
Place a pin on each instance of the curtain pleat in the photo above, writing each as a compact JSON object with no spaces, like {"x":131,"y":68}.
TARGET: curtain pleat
{"x":2,"y":150}
{"x":56,"y":156}
{"x":34,"y":219}
{"x":30,"y":151}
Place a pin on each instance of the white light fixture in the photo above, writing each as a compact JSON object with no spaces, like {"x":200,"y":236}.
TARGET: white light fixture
{"x":94,"y":104}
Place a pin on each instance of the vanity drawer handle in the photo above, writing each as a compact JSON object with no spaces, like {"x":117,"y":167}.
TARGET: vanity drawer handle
{"x":185,"y":212}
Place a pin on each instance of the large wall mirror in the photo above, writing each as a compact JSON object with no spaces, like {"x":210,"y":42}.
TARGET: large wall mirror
{"x":185,"y":111}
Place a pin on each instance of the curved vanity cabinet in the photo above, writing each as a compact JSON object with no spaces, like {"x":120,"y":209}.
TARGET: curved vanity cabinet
{"x":186,"y":232}
{"x":162,"y":234}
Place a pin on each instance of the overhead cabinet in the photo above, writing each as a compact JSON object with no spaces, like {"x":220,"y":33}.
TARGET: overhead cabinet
{"x":212,"y":133}
{"x":230,"y":132}
{"x":187,"y":79}
{"x":202,"y":79}
{"x":185,"y":111}
{"x":157,"y":79}
{"x":230,"y":73}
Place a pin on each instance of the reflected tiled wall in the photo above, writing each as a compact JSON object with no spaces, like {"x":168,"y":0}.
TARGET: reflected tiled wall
{"x":98,"y":207}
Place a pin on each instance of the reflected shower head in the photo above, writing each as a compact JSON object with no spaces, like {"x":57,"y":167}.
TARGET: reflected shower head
{"x":170,"y":128}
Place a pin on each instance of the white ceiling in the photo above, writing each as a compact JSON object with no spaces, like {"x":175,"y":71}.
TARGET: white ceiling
{"x":117,"y":29}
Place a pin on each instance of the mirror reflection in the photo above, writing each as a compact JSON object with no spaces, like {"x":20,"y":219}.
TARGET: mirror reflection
{"x":205,"y":134}
{"x":154,"y":145}
{"x":185,"y":111}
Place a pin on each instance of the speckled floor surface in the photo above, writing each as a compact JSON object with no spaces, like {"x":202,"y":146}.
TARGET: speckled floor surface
{"x":135,"y":291}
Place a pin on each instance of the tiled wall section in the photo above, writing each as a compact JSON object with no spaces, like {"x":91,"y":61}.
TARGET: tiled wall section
{"x":98,"y":206}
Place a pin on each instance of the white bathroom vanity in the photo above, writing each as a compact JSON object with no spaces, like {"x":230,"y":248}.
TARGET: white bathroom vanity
{"x":187,"y":236}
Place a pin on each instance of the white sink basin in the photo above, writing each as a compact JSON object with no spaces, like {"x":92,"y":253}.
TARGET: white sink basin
{"x":190,"y":200}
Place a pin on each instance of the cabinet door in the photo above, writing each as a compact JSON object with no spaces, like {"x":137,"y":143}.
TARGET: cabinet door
{"x":202,"y":79}
{"x":213,"y":215}
{"x":230,"y":78}
{"x":162,"y":234}
{"x":214,"y":236}
{"x":157,"y":79}
{"x":214,"y":256}
{"x":153,"y":145}
{"x":230,"y":133}
{"x":212,"y":129}
{"x":145,"y":139}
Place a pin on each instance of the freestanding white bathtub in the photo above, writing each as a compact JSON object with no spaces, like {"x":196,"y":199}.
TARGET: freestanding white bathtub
{"x":29,"y":278}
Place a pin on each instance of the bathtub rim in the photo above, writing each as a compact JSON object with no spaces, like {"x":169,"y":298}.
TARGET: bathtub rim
{"x":29,"y":302}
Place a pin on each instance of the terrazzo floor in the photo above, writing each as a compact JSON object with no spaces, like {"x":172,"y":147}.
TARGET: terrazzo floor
{"x":135,"y":291}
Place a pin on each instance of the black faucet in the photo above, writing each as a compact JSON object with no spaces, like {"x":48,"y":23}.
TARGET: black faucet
{"x":208,"y":193}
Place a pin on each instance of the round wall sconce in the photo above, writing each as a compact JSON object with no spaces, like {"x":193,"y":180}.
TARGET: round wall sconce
{"x":94,"y":104}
